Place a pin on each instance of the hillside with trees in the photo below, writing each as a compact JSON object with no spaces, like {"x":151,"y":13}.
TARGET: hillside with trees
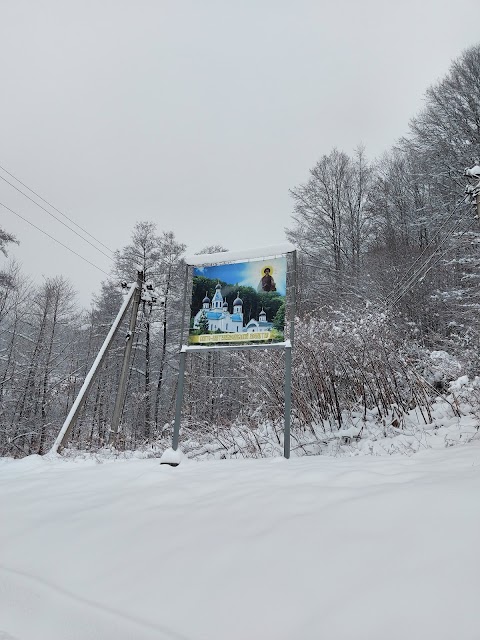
{"x":387,"y":313}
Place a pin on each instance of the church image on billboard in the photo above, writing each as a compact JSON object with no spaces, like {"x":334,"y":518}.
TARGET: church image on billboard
{"x":239,"y":302}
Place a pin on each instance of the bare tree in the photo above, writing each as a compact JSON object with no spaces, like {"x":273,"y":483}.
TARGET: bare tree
{"x":6,"y":277}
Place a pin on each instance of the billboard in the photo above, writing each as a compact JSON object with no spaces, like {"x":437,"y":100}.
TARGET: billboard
{"x":239,"y":302}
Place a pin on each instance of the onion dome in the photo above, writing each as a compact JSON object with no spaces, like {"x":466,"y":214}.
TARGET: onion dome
{"x":219,"y":286}
{"x":225,"y":304}
{"x":238,"y":300}
{"x":206,"y":298}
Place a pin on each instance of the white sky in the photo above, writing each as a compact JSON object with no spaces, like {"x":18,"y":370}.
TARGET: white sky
{"x":200,"y":115}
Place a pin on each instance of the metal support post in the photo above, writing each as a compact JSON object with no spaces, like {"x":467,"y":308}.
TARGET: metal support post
{"x":184,"y":304}
{"x":288,"y":400}
{"x":74,"y":412}
{"x":122,"y":383}
{"x":179,"y":399}
{"x":293,"y":305}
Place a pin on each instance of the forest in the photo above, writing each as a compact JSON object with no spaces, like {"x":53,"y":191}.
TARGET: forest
{"x":386,"y":318}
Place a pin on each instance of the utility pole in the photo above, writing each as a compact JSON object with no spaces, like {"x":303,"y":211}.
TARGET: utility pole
{"x":74,"y":412}
{"x":122,"y":383}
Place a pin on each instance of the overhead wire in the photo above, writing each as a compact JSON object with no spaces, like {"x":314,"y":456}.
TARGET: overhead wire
{"x":439,"y":258}
{"x":53,"y":238}
{"x":410,"y":281}
{"x":408,"y":278}
{"x":54,"y":208}
{"x":429,"y":246}
{"x":407,"y":284}
{"x":57,"y":218}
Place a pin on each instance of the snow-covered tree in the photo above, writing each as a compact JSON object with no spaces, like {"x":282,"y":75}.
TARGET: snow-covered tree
{"x":7,"y":281}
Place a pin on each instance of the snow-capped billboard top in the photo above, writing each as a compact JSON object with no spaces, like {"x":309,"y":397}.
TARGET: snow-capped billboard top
{"x":242,"y":255}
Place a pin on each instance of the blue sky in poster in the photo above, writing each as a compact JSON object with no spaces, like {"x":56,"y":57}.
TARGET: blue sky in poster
{"x":248,"y":274}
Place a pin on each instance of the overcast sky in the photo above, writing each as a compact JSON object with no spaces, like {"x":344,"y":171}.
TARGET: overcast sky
{"x":199,"y":115}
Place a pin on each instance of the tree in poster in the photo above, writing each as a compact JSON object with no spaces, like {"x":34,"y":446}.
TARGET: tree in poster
{"x":203,"y":324}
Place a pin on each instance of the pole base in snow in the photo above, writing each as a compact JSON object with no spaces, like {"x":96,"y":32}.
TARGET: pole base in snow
{"x":171,"y":457}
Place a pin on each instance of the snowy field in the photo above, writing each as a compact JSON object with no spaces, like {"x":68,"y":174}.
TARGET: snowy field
{"x":315,"y":547}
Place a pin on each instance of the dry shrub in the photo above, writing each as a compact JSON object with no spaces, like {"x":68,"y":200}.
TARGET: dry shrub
{"x":350,"y":365}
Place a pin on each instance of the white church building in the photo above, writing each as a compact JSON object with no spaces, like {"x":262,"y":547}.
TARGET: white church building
{"x":220,"y":319}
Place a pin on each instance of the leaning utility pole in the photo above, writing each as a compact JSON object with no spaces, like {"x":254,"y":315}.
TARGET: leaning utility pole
{"x":74,"y":412}
{"x":120,"y":399}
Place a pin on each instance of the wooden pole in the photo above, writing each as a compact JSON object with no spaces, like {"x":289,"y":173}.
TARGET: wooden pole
{"x":71,"y":419}
{"x":122,"y":383}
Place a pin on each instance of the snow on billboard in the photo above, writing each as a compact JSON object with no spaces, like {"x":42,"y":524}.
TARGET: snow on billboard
{"x":240,"y":302}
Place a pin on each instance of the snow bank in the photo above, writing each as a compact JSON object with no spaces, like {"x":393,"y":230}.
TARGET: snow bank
{"x":452,"y":419}
{"x":473,"y":172}
{"x":172,"y":457}
{"x":366,"y":548}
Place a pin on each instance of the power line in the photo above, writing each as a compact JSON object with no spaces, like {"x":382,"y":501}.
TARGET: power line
{"x":411,"y":280}
{"x":406,"y":275}
{"x":408,"y":278}
{"x":58,"y":211}
{"x":55,"y":208}
{"x":52,"y":238}
{"x":439,"y":258}
{"x":56,"y":218}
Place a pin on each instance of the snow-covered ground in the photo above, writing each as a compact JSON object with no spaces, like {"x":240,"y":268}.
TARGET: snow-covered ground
{"x":315,"y":547}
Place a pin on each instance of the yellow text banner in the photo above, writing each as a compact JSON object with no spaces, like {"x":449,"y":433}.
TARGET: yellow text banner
{"x":252,"y":336}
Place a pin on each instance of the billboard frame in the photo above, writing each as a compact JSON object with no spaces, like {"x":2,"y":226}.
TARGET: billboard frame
{"x":286,"y":345}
